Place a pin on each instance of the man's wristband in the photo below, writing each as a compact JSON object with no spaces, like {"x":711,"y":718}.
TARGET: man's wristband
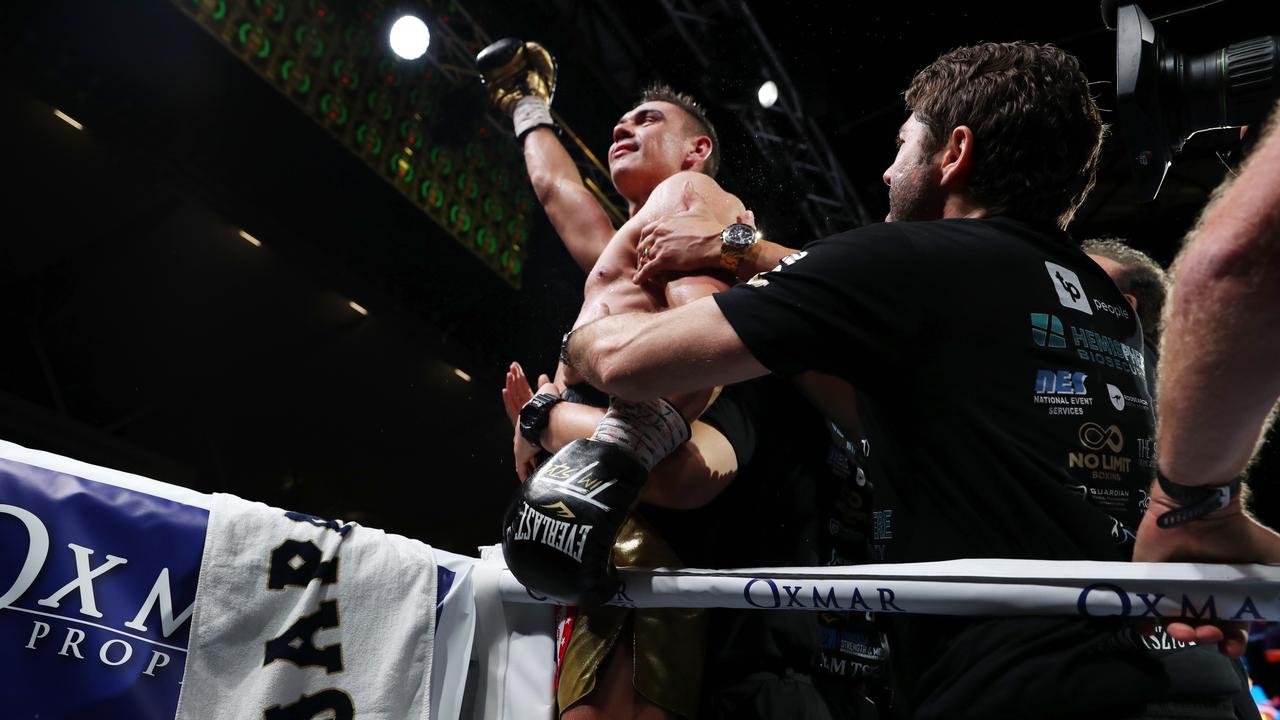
{"x":531,"y":113}
{"x":534,"y":417}
{"x":1196,"y":501}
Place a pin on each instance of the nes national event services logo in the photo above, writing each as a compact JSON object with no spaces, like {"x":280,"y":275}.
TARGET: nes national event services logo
{"x":97,"y":586}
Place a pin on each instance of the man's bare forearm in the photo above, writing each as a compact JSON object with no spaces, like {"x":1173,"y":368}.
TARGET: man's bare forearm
{"x":583,"y":226}
{"x":1219,"y":377}
{"x":764,"y":257}
{"x":642,"y":356}
{"x":568,"y":422}
{"x":548,"y":163}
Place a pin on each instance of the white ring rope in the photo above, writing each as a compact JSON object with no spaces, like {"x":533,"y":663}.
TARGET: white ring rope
{"x":963,"y":587}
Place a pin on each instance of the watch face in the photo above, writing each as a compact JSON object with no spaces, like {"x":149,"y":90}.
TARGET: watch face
{"x":739,"y":235}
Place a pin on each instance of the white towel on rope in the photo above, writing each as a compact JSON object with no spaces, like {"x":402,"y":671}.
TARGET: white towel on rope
{"x":296,"y":617}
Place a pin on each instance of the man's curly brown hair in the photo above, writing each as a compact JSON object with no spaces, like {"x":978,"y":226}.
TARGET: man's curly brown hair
{"x":1036,"y":128}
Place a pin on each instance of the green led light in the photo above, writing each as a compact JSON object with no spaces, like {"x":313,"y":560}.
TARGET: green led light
{"x":249,"y":32}
{"x":480,"y":236}
{"x":401,"y":167}
{"x":320,"y":10}
{"x":304,"y":35}
{"x":217,"y":9}
{"x":348,"y":80}
{"x":273,"y":10}
{"x":487,"y":206}
{"x":369,"y":139}
{"x":389,"y":72}
{"x":299,"y":81}
{"x":378,"y":99}
{"x":424,"y":190}
{"x":334,"y":110}
{"x":411,"y":133}
{"x":357,"y":40}
{"x":453,"y":214}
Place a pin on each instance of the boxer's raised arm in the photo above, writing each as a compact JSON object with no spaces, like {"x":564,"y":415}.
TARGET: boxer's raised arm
{"x":520,"y":79}
{"x":583,"y":226}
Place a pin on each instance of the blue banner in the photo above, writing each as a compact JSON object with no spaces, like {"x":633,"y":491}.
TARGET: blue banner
{"x":97,"y":582}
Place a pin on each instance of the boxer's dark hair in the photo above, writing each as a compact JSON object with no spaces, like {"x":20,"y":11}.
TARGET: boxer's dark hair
{"x":1036,"y":128}
{"x":662,"y":92}
{"x":1140,"y":276}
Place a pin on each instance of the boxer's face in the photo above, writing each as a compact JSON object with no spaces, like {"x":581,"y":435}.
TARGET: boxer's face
{"x":650,"y":144}
{"x":914,"y":178}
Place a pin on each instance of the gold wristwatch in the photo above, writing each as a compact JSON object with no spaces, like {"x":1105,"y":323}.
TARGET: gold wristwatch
{"x":735,"y":242}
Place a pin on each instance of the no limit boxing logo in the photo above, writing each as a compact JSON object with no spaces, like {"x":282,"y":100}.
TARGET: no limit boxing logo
{"x":1095,"y":437}
{"x":1101,"y":465}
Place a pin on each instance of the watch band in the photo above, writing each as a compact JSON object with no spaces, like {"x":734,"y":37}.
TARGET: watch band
{"x":732,"y":253}
{"x":534,"y":417}
{"x":564,"y":348}
{"x":1196,"y":500}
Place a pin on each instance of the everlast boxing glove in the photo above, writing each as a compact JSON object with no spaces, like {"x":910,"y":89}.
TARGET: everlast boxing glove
{"x":559,"y":530}
{"x":520,"y":78}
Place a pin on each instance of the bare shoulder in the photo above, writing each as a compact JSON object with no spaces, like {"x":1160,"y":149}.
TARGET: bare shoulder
{"x":675,"y":194}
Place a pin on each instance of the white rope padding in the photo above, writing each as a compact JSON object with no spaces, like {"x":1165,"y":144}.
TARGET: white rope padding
{"x":992,"y":587}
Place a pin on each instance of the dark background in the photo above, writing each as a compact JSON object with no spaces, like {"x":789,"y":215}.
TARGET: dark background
{"x":142,"y":333}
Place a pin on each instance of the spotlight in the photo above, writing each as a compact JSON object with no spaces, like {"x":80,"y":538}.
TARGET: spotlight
{"x":251,"y":239}
{"x":410,"y":37}
{"x":768,"y":94}
{"x":459,"y":372}
{"x":358,"y":307}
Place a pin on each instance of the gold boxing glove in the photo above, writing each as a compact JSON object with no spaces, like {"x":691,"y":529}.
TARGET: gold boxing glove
{"x":520,"y":79}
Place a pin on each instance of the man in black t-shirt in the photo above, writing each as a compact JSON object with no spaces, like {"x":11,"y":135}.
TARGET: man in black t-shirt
{"x":987,"y":343}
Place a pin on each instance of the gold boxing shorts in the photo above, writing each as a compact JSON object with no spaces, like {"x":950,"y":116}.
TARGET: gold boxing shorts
{"x":668,"y":643}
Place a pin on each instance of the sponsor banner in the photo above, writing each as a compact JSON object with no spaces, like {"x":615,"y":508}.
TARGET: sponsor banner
{"x":123,"y":597}
{"x":965,"y":587}
{"x":97,"y":584}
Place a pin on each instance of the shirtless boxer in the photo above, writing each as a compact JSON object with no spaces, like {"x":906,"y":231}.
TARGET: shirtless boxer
{"x":662,"y":154}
